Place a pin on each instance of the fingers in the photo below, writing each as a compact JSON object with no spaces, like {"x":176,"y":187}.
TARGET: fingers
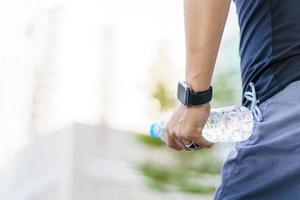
{"x":185,"y":126}
{"x":174,"y":143}
{"x":202,"y":142}
{"x":198,"y":139}
{"x":179,"y":141}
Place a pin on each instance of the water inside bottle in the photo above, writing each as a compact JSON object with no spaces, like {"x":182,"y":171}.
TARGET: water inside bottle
{"x":228,"y":124}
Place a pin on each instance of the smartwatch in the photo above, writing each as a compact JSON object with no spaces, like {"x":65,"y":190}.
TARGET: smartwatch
{"x":189,"y":98}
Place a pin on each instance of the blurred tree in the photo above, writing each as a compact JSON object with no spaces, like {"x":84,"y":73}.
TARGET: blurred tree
{"x":188,"y":171}
{"x":161,"y":79}
{"x":227,"y":88}
{"x":162,"y":94}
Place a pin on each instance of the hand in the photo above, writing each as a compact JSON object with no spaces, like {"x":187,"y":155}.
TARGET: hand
{"x":186,"y":126}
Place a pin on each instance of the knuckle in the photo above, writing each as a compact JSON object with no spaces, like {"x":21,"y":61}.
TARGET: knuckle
{"x":199,"y":130}
{"x":170,"y":131}
{"x":176,"y":134}
{"x":173,"y":134}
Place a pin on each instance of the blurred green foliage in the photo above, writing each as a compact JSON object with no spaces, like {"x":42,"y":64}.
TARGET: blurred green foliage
{"x":163,"y":178}
{"x":147,"y":140}
{"x":181,"y":173}
{"x":162,"y":94}
{"x":227,"y":88}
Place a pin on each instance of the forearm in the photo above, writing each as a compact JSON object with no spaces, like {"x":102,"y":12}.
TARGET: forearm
{"x":204,"y":25}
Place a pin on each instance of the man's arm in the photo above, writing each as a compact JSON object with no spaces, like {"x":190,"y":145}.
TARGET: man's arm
{"x":204,"y":25}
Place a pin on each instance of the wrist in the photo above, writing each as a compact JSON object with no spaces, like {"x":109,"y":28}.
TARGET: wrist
{"x":190,"y":98}
{"x":198,"y":80}
{"x":197,"y":76}
{"x":198,"y":83}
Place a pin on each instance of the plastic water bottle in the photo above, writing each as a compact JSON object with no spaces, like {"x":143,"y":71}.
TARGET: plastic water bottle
{"x":227,"y":124}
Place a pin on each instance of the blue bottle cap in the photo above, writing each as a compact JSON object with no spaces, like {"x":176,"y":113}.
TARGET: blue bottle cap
{"x":154,"y":130}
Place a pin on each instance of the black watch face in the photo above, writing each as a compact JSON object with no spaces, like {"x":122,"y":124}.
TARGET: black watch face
{"x":183,"y":93}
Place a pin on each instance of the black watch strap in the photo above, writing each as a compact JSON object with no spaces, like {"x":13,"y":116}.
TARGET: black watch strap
{"x":197,"y":98}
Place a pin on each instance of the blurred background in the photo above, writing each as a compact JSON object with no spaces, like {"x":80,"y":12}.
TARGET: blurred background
{"x":80,"y":84}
